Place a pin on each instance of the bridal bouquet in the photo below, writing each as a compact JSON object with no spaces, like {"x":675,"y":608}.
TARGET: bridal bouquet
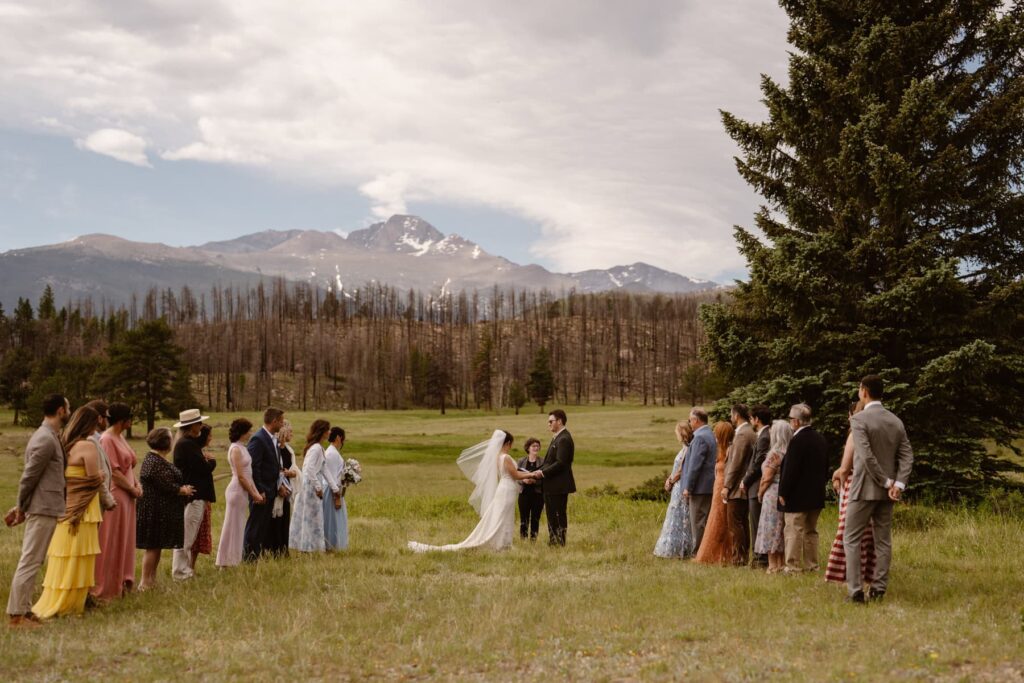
{"x":353,"y":472}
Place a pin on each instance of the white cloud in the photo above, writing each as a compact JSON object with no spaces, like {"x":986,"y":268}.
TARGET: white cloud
{"x":597,"y":119}
{"x":119,"y":144}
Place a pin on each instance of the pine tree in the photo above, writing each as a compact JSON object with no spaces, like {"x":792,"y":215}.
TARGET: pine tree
{"x":47,"y":308}
{"x":542,"y":380}
{"x":147,"y":370}
{"x":894,"y":226}
{"x":516,"y":395}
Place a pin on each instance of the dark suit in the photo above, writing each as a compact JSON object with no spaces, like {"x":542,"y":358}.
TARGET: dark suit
{"x":802,"y":485}
{"x":557,"y":484}
{"x":265,"y":473}
{"x":751,"y":481}
{"x":278,"y":543}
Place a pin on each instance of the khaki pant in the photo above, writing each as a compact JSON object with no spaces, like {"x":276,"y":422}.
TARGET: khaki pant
{"x":802,"y":540}
{"x":38,"y":532}
{"x":181,"y":560}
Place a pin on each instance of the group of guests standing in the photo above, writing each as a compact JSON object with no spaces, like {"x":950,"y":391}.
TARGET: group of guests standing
{"x":85,"y":513}
{"x":752,"y":489}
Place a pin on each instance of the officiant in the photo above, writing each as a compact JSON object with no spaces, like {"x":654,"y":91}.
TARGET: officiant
{"x":531,"y":500}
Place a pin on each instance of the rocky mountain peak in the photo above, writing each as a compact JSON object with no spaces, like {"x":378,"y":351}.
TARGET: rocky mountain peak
{"x":400,"y":234}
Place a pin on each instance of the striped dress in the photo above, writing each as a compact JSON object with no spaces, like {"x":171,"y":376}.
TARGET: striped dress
{"x":836,"y":570}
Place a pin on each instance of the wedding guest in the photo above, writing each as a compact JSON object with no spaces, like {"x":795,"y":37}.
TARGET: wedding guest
{"x":760,"y":420}
{"x":335,"y":517}
{"x":802,"y":490}
{"x":204,"y":537}
{"x":237,"y":495}
{"x":40,"y":503}
{"x":531,"y":498}
{"x":732,"y":486}
{"x":115,"y":565}
{"x":676,"y":539}
{"x":835,"y":570}
{"x":266,"y":474}
{"x":770,"y":540}
{"x":306,"y":532}
{"x":882,"y":460}
{"x":160,"y":520}
{"x":107,"y":500}
{"x":717,"y":546}
{"x":280,"y":515}
{"x":71,"y":557}
{"x":196,"y":471}
{"x":699,"y":474}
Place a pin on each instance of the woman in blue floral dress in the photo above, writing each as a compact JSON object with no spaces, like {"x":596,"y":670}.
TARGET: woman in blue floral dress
{"x":306,"y":530}
{"x":676,"y":538}
{"x":770,"y":529}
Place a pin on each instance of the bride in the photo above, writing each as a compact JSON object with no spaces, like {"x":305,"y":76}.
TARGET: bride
{"x":491,"y":468}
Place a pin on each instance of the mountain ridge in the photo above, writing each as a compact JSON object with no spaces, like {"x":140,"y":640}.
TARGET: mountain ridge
{"x":404,"y":251}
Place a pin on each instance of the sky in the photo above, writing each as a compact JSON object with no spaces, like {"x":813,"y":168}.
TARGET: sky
{"x":577,"y":134}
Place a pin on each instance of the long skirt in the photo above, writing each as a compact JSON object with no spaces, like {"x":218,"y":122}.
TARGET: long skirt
{"x":115,"y":565}
{"x":836,"y":569}
{"x":335,"y":523}
{"x":306,"y":528}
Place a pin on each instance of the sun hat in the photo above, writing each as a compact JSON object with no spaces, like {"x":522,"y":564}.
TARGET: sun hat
{"x":190,"y":417}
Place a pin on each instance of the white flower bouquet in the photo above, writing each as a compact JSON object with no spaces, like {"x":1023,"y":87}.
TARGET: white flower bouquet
{"x":353,"y":473}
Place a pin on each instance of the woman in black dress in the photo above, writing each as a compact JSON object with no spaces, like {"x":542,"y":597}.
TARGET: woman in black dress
{"x":531,"y":500}
{"x":159,"y":522}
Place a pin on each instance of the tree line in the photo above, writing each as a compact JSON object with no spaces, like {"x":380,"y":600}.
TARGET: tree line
{"x":297,"y":346}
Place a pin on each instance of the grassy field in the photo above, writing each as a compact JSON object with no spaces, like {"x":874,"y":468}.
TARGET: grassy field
{"x":601,"y":609}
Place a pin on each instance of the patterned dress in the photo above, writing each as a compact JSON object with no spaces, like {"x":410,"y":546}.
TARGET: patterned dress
{"x":836,"y":570}
{"x":306,"y":529}
{"x":676,"y":538}
{"x":770,"y":528}
{"x":159,"y":518}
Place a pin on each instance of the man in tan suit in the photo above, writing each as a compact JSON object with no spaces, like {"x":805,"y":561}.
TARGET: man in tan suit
{"x":40,"y":503}
{"x":735,"y":468}
{"x":882,"y":459}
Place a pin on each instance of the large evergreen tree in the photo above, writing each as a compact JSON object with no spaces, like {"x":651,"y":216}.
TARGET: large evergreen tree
{"x":146,"y":370}
{"x":893,"y":231}
{"x":541,"y":383}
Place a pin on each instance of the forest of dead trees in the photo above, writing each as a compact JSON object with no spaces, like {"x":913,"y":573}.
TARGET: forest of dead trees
{"x":293,"y":345}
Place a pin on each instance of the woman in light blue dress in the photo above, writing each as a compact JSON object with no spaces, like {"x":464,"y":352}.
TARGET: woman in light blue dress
{"x":335,"y":514}
{"x":676,"y":538}
{"x":306,"y":530}
{"x":771,"y":527}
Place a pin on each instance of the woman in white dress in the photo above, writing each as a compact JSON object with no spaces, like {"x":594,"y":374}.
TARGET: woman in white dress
{"x":492,"y":469}
{"x":306,"y":529}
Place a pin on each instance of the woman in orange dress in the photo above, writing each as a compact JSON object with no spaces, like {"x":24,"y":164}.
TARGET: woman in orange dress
{"x":716,"y":548}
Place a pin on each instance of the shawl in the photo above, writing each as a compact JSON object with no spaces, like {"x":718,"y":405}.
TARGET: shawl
{"x":79,"y":493}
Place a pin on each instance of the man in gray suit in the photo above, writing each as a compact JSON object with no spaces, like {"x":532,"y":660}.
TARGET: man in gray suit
{"x":882,"y":459}
{"x":698,"y":477}
{"x":40,"y":503}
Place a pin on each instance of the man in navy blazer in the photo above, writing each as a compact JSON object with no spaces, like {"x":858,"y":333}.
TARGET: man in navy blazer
{"x":698,"y":480}
{"x":266,"y":470}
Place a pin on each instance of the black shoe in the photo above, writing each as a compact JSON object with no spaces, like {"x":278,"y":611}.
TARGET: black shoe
{"x":876,"y":596}
{"x":857,"y":597}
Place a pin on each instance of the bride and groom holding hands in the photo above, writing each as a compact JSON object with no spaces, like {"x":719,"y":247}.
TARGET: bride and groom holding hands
{"x":497,"y":483}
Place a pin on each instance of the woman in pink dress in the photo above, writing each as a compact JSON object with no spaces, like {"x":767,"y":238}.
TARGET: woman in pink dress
{"x":237,"y":495}
{"x":115,"y":565}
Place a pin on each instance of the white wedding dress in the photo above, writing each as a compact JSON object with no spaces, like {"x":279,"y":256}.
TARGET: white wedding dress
{"x":494,"y":498}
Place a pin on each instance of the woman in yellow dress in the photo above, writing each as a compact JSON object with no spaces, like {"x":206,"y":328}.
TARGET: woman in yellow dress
{"x":71,"y":558}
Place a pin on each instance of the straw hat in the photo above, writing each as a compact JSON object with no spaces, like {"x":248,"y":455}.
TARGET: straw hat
{"x":189,"y":417}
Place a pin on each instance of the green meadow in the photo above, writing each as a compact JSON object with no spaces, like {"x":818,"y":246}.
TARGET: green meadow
{"x":603,"y":608}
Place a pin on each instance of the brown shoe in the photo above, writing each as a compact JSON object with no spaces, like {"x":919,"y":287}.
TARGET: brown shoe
{"x":23,"y":621}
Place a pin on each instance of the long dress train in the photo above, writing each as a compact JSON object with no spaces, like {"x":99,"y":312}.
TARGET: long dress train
{"x":497,"y":520}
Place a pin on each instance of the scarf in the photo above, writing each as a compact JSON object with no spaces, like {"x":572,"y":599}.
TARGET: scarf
{"x":79,"y":493}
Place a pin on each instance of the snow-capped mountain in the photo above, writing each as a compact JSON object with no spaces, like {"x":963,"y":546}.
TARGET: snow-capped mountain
{"x":406,"y":252}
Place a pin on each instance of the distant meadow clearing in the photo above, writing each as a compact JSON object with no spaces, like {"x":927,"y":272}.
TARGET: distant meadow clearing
{"x":604,"y":608}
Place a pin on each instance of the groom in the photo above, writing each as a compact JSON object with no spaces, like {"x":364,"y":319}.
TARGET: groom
{"x":556,"y":473}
